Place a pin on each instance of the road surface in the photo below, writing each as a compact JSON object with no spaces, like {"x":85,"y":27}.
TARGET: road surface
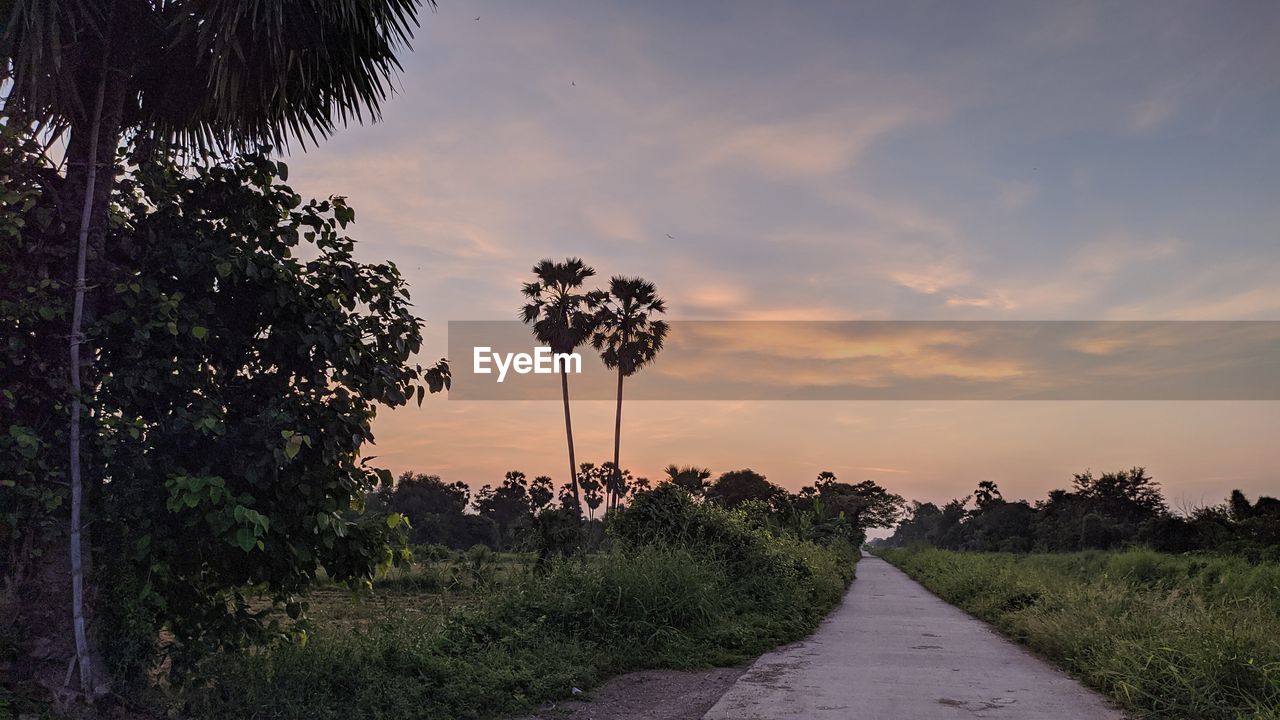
{"x":892,"y":650}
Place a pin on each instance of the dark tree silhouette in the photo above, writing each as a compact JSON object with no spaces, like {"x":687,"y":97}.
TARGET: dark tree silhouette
{"x":591,"y":479}
{"x":692,"y":479}
{"x":865,"y":505}
{"x":628,"y":338}
{"x":541,"y":492}
{"x":986,"y":494}
{"x":735,"y":487}
{"x":560,"y":314}
{"x":506,"y":505}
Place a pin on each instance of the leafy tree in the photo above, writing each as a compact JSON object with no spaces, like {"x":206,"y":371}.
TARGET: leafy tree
{"x":555,"y":531}
{"x":560,"y":314}
{"x":628,"y":338}
{"x":831,"y":509}
{"x":692,"y":479}
{"x":201,"y":74}
{"x":507,"y":505}
{"x":234,"y":388}
{"x":436,"y":511}
{"x":866,"y":505}
{"x":1125,"y":495}
{"x":735,"y":487}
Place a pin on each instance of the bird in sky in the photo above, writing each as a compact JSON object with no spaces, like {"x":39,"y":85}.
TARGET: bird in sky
{"x":669,"y":235}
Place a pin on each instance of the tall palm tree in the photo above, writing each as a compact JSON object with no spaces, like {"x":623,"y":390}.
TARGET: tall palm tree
{"x":201,"y":75}
{"x":561,"y":316}
{"x":627,"y":336}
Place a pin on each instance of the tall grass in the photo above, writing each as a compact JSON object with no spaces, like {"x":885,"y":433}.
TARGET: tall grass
{"x":1166,"y":636}
{"x":533,"y":635}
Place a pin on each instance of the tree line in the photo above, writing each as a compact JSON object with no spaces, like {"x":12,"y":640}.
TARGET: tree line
{"x":523,"y":514}
{"x":1101,"y":512}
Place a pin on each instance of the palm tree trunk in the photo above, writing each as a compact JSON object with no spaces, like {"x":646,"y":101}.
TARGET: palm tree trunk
{"x":568,"y":432}
{"x":617,"y":443}
{"x":76,"y":339}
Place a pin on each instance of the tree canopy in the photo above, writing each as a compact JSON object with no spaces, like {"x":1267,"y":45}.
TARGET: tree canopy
{"x":241,"y":360}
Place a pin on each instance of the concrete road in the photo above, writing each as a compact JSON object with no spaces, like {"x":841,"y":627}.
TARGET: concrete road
{"x":894,"y":651}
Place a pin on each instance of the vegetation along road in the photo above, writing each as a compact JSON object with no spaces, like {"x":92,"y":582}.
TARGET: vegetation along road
{"x":893,"y":650}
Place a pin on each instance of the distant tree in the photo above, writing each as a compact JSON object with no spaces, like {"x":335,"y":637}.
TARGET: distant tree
{"x":919,"y":525}
{"x":865,"y":504}
{"x":735,"y":487}
{"x":692,"y":479}
{"x":1256,"y":524}
{"x":986,"y":494}
{"x":567,"y":500}
{"x":506,"y":505}
{"x":628,"y":338}
{"x":617,"y":484}
{"x":1125,"y":495}
{"x":830,"y":508}
{"x":555,"y":531}
{"x":591,"y":480}
{"x":640,"y":485}
{"x":541,"y":493}
{"x":416,"y":495}
{"x":436,"y":511}
{"x":560,"y":315}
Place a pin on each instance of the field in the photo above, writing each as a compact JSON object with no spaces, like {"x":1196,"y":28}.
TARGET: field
{"x":480,"y":634}
{"x":1166,"y":636}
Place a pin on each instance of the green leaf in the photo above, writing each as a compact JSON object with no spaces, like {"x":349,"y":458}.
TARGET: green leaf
{"x":292,"y":447}
{"x":199,"y":333}
{"x":245,"y":539}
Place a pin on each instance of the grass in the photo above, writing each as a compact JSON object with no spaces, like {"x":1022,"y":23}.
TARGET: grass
{"x":479,"y":637}
{"x":1166,"y":636}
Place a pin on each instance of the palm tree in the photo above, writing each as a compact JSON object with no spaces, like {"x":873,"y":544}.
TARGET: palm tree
{"x":560,"y":314}
{"x":199,"y":75}
{"x":627,"y":336}
{"x":691,"y":478}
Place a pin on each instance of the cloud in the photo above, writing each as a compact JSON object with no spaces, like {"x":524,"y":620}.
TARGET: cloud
{"x":1018,"y":194}
{"x":1065,"y":287}
{"x":614,"y":221}
{"x":931,"y":280}
{"x":1151,"y":113}
{"x":801,"y":148}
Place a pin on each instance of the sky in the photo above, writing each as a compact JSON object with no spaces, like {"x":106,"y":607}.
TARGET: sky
{"x":836,"y":161}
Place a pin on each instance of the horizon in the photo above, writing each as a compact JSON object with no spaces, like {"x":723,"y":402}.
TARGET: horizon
{"x":826,"y":162}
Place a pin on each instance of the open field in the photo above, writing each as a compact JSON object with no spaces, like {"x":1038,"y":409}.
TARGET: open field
{"x":1166,"y":636}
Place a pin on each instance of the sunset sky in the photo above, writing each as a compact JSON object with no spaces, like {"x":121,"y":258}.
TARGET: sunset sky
{"x":837,"y":161}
